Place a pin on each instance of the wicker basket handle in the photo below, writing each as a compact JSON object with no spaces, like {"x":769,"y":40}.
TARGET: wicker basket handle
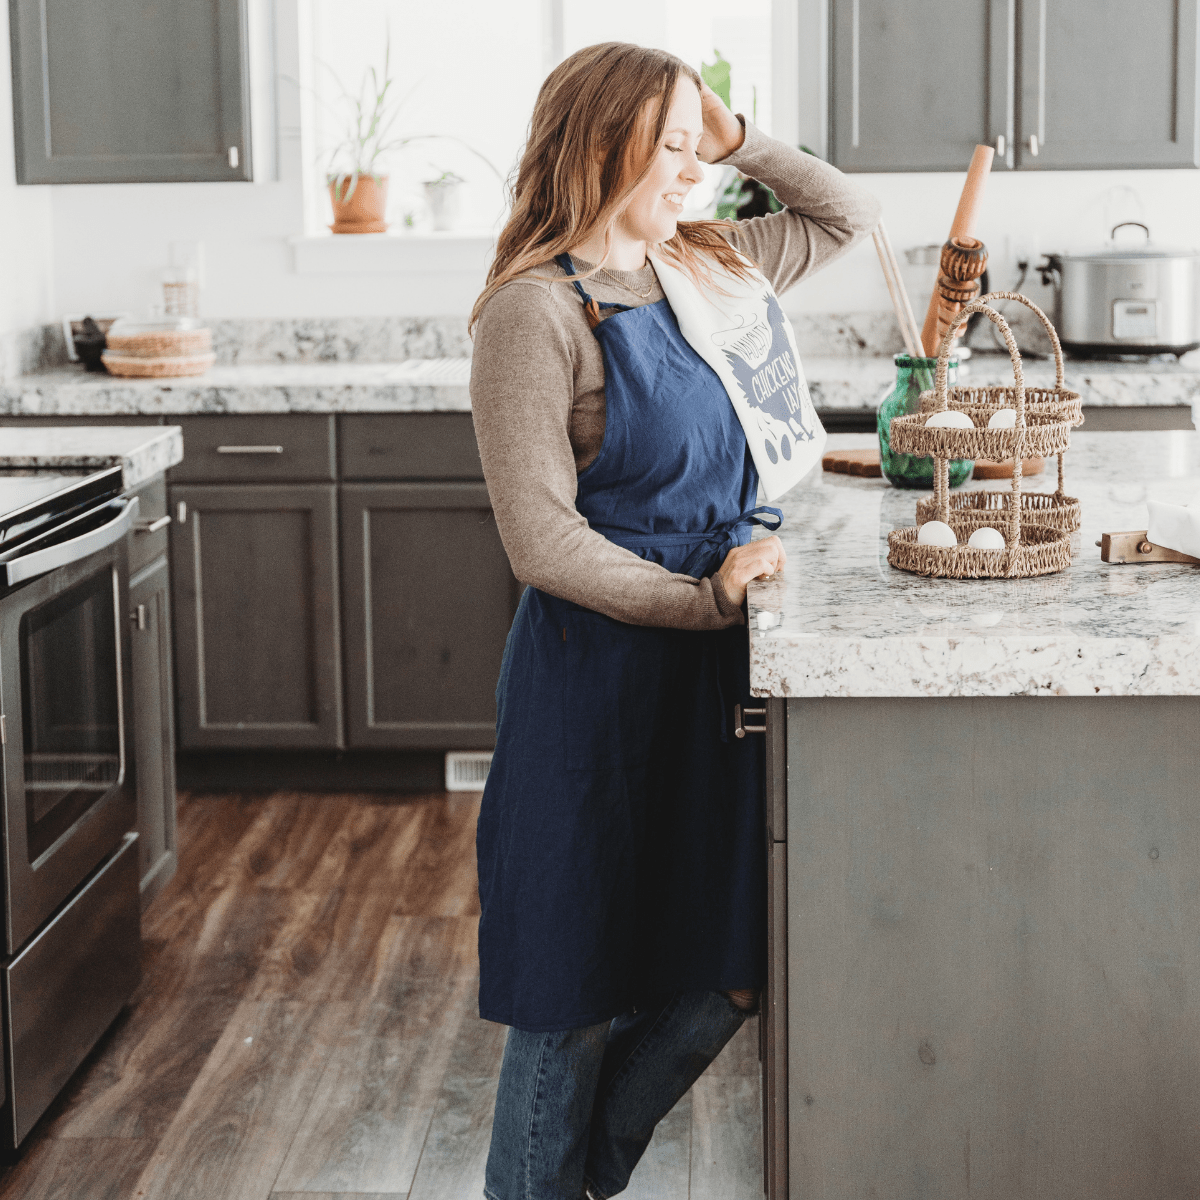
{"x":1052,"y":333}
{"x":941,"y":475}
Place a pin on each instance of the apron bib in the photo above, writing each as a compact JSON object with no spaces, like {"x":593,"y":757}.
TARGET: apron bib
{"x":620,"y":839}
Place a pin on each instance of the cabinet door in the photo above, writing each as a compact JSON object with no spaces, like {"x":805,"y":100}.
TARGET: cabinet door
{"x":124,"y":91}
{"x":903,"y":98}
{"x":429,"y":598}
{"x":1108,"y":83}
{"x":256,"y":616}
{"x":153,"y":733}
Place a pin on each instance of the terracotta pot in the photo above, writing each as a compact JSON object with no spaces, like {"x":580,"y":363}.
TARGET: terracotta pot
{"x":360,"y":210}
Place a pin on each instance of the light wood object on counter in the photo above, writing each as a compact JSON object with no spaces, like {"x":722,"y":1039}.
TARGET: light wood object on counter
{"x":964,"y":257}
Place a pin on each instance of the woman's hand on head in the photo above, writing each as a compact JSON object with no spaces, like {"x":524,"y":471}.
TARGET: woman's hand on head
{"x":755,"y":560}
{"x":723,"y":132}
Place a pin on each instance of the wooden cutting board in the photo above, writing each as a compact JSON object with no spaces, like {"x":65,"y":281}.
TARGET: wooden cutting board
{"x":866,"y":463}
{"x":853,"y":462}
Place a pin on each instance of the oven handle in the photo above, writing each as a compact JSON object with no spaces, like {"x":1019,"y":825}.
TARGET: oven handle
{"x":78,"y":548}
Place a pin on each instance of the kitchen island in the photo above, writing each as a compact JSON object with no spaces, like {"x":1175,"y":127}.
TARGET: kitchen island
{"x":984,"y":850}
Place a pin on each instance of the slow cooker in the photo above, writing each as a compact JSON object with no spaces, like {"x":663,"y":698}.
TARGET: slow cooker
{"x":1126,"y":299}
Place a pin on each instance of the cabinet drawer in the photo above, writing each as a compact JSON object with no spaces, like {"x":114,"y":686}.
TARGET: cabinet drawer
{"x":147,"y":543}
{"x":64,"y":989}
{"x":409,"y":446}
{"x":229,"y":449}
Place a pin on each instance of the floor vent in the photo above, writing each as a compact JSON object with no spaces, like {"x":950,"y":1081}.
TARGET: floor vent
{"x":467,"y":770}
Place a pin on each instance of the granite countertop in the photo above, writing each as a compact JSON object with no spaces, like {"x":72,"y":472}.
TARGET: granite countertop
{"x":844,"y":623}
{"x":440,"y":385}
{"x":143,"y":451}
{"x":416,"y":385}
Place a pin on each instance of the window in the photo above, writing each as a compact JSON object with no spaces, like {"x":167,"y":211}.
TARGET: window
{"x":469,"y":70}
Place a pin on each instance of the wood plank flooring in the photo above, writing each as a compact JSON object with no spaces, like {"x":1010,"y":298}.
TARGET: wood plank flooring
{"x":306,"y":1027}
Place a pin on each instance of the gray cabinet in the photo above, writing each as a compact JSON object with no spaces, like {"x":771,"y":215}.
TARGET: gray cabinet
{"x":123,"y":91}
{"x":149,"y":611}
{"x":983,"y":976}
{"x":258,"y":662}
{"x":1053,"y":84}
{"x":1108,"y":83}
{"x":899,"y":103}
{"x":428,"y":600}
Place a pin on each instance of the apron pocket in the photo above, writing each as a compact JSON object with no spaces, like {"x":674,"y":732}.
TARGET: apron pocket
{"x":612,"y":683}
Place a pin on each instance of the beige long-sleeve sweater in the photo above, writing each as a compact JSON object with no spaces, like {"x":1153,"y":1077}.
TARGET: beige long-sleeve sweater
{"x":537,"y":394}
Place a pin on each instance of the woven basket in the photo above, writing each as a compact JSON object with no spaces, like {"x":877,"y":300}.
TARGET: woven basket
{"x":131,"y":367}
{"x":165,"y":343}
{"x":1030,"y":549}
{"x":977,"y":509}
{"x":1057,"y":401}
{"x":1057,"y":510}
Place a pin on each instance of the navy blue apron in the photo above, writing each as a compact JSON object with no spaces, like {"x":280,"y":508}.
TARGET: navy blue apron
{"x":620,"y":842}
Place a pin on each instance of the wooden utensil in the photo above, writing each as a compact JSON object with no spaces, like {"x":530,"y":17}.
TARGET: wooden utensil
{"x":899,"y":294}
{"x":964,"y":257}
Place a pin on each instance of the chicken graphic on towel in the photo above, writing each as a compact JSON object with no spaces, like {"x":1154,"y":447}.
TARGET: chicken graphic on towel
{"x":760,"y":357}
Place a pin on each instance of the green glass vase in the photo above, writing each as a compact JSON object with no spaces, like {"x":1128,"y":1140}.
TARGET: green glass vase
{"x":913,"y":376}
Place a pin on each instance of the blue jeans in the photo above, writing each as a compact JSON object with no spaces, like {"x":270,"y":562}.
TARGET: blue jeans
{"x":578,"y":1108}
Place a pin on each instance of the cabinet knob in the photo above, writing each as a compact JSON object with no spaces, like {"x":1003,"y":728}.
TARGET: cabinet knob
{"x":1001,"y":145}
{"x":234,"y":157}
{"x":138,"y":616}
{"x":1033,"y":144}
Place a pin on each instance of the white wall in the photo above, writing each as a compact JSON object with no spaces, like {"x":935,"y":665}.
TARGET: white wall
{"x":109,"y":242}
{"x":26,"y":296}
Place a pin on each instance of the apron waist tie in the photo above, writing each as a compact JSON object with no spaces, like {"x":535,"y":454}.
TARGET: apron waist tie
{"x":713,"y":544}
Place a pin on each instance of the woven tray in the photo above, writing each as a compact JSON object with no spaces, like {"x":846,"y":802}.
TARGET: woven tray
{"x":1043,"y":435}
{"x":1040,"y":551}
{"x":132,"y":367}
{"x":166,"y":343}
{"x":1030,"y":548}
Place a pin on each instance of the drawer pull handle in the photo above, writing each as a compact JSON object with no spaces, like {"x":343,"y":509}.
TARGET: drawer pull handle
{"x":249,"y":449}
{"x":152,"y":526}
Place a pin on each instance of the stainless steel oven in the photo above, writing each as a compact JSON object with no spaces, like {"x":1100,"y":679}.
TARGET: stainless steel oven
{"x":71,"y":926}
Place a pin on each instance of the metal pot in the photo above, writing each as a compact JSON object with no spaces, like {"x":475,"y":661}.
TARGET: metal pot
{"x":1127,"y":301}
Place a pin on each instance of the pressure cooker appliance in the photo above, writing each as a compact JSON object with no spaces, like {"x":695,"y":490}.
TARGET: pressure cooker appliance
{"x":71,"y":923}
{"x":1127,"y":300}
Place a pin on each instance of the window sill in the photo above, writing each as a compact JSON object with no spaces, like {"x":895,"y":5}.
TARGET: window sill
{"x":467,"y":251}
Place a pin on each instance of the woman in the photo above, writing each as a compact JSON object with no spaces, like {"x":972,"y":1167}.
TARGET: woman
{"x":620,"y":843}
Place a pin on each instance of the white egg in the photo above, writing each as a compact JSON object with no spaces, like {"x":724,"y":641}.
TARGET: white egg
{"x":950,"y":419}
{"x":986,"y":538}
{"x":936,"y":533}
{"x":1004,"y":418}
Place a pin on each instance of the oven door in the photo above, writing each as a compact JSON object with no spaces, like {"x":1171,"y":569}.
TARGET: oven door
{"x":64,"y":691}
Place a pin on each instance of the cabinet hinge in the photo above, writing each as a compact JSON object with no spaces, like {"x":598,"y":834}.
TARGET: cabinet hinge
{"x":3,"y":731}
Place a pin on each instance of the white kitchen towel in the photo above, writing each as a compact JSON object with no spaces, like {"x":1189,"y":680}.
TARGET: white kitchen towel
{"x":1175,"y":526}
{"x":747,"y":339}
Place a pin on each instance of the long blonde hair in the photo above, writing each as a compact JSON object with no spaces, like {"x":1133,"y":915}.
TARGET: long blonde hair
{"x":590,"y":145}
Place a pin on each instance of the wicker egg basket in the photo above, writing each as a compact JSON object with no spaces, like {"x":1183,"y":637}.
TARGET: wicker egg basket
{"x":1030,"y":548}
{"x":978,"y":509}
{"x":159,"y":354}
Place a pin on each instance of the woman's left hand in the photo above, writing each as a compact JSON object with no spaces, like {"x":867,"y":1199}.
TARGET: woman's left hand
{"x":723,"y":132}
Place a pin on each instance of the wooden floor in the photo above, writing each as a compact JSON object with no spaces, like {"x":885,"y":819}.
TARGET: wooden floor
{"x":306,"y":1027}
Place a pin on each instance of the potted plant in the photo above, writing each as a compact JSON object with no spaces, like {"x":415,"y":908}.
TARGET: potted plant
{"x":357,"y":183}
{"x":444,"y":196}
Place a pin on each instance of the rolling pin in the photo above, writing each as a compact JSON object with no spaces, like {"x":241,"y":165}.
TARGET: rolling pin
{"x":964,"y":257}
